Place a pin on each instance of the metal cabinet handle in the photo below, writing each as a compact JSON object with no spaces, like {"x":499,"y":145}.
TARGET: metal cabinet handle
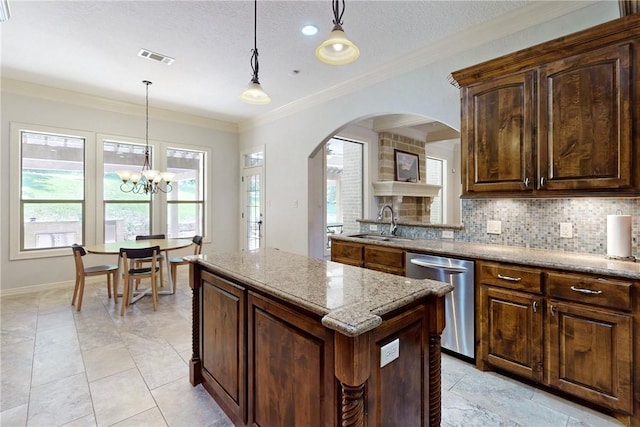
{"x":526,"y":182}
{"x":543,"y":180}
{"x":509,"y":278}
{"x":553,"y":310}
{"x":535,"y":306}
{"x":586,"y":291}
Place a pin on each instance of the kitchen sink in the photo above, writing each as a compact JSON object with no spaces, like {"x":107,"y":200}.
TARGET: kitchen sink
{"x":381,"y":238}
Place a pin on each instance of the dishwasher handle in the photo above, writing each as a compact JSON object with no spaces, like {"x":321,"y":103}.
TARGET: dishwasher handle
{"x":452,"y":269}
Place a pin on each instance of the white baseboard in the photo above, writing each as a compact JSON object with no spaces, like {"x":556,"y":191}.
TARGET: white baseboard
{"x":46,"y":287}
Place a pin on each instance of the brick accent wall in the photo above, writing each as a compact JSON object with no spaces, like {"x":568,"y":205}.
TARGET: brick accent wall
{"x":411,"y":208}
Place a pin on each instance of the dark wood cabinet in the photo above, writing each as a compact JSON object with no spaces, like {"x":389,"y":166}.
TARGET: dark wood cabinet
{"x":347,"y":253}
{"x":557,"y":118}
{"x":591,"y":354}
{"x":223,"y":348}
{"x":585,"y":121}
{"x":272,"y":362}
{"x":510,"y":320}
{"x":386,"y":259}
{"x":293,"y":368}
{"x":571,"y":332}
{"x":511,"y":331}
{"x":374,"y":257}
{"x":499,"y":119}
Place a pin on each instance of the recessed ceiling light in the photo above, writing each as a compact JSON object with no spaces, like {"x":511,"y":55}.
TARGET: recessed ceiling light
{"x":309,"y":30}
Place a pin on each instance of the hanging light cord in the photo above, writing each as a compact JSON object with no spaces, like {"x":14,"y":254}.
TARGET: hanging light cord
{"x":254,"y":51}
{"x":146,"y":151}
{"x":337,"y":21}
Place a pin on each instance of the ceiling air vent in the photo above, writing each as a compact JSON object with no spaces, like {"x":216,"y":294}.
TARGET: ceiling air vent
{"x":158,"y":57}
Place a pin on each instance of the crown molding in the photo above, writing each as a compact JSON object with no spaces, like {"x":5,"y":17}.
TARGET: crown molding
{"x":531,"y":15}
{"x":19,"y":87}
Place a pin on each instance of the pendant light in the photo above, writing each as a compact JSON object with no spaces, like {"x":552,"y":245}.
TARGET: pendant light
{"x":254,"y":93}
{"x":337,"y":49}
{"x":147,"y":180}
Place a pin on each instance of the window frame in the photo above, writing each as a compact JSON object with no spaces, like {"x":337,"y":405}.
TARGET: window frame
{"x":16,"y":251}
{"x":93,"y":209}
{"x":205,"y":180}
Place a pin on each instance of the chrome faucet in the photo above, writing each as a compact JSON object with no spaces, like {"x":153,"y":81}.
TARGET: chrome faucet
{"x":394,"y":221}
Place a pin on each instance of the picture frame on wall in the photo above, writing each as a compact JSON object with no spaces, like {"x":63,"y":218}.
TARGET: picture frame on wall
{"x":407,"y":166}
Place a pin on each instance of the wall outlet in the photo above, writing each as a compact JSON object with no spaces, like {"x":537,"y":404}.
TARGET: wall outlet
{"x":494,"y":227}
{"x":373,"y":227}
{"x":566,"y":230}
{"x":447,"y":234}
{"x":389,"y":352}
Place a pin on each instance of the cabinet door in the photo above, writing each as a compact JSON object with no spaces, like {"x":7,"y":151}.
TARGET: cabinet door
{"x":223,"y":345}
{"x":590,"y":354}
{"x":585,"y":121}
{"x":511,"y":331}
{"x":498,"y":128}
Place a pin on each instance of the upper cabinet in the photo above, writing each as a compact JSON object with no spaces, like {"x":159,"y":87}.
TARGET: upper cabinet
{"x":558,"y":118}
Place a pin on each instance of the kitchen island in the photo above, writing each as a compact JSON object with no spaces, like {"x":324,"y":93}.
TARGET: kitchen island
{"x":282,"y":339}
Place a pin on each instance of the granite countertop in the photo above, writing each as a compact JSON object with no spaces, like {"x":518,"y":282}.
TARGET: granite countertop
{"x":350,"y":299}
{"x":571,"y":261}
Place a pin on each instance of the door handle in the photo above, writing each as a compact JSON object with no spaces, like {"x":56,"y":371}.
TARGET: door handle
{"x":535,"y":306}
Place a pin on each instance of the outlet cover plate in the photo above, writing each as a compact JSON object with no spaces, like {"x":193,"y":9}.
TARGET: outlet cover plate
{"x":566,"y":230}
{"x":447,"y":234}
{"x":373,"y":227}
{"x":494,"y":227}
{"x":389,"y":352}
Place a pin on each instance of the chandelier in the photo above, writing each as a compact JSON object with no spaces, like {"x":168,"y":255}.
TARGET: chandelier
{"x":147,"y":180}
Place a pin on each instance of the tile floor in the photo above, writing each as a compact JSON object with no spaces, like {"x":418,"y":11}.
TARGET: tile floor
{"x":95,"y":368}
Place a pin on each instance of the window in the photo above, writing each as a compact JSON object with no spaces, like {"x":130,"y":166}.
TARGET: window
{"x":52,"y":189}
{"x":64,"y":190}
{"x":435,"y":170}
{"x":344,"y":184}
{"x":185,"y":202}
{"x":126,"y":215}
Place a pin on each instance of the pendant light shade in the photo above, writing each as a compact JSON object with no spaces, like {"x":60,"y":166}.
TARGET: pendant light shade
{"x":254,"y":93}
{"x":337,"y":49}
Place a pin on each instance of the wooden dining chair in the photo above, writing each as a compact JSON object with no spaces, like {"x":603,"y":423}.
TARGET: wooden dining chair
{"x":176,"y":261}
{"x":129,"y":259}
{"x":139,"y":263}
{"x":82,"y":272}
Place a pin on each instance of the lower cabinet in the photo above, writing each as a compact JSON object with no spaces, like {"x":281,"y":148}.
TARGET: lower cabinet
{"x":511,"y":331}
{"x":590,"y":354}
{"x":374,"y":257}
{"x":571,"y":332}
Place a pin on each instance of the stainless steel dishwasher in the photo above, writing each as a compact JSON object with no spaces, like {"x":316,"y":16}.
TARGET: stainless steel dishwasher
{"x":458,"y":336}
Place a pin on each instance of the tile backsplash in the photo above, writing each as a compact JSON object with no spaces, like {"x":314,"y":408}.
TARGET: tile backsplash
{"x":535,"y":223}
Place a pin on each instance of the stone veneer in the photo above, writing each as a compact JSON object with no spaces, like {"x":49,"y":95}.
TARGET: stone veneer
{"x":411,"y":208}
{"x":535,"y":223}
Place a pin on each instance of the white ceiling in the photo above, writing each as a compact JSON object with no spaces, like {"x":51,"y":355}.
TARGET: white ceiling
{"x":92,"y":46}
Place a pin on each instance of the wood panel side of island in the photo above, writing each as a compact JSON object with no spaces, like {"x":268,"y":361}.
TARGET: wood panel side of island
{"x":269,"y":363}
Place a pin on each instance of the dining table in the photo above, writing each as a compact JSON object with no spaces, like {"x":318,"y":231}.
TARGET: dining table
{"x":166,"y":245}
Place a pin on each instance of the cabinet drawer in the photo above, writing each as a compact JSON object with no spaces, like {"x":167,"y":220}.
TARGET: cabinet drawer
{"x":511,"y":277}
{"x":347,"y":253}
{"x":390,"y":260}
{"x":591,"y":290}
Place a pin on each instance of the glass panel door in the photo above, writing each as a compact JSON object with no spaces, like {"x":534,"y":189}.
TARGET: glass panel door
{"x":252,"y":191}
